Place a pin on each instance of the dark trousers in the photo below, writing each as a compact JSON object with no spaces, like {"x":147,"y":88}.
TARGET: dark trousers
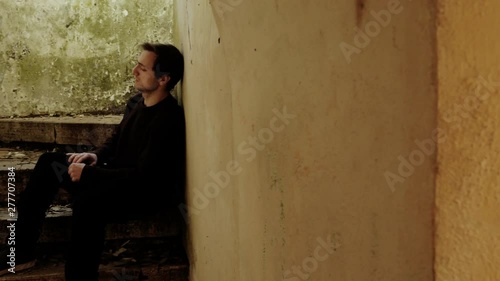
{"x":93,"y":207}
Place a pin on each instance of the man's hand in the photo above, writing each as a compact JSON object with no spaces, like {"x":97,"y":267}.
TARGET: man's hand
{"x":75,"y":171}
{"x":85,"y":157}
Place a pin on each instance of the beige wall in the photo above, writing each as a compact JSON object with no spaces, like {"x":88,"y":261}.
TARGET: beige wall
{"x":319,"y":176}
{"x":467,"y":197}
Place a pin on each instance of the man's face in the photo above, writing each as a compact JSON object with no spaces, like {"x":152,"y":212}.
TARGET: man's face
{"x":145,"y":80}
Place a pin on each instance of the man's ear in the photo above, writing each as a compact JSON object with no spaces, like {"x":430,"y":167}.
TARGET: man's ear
{"x":163,"y":80}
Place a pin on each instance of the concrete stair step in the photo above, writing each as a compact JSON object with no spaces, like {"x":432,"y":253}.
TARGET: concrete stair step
{"x":67,"y":130}
{"x":56,"y":227}
{"x":131,"y":259}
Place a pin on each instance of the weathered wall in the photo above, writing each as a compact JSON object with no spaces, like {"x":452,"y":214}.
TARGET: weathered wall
{"x":74,"y":56}
{"x":467,"y":195}
{"x":294,"y":147}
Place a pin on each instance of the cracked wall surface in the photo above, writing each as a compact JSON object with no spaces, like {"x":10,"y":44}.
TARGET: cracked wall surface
{"x":60,"y":57}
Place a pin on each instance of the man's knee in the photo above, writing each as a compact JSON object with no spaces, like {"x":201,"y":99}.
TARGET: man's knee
{"x":52,"y":163}
{"x":50,"y":157}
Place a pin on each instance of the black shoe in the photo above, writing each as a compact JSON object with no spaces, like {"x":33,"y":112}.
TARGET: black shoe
{"x":13,"y":262}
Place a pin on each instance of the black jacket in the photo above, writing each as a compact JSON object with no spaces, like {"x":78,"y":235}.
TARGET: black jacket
{"x":147,"y":148}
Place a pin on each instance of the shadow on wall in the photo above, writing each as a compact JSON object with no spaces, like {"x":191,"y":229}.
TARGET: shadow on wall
{"x":61,"y":57}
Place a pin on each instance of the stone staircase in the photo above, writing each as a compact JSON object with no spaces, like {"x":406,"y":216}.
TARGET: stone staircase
{"x":140,"y":249}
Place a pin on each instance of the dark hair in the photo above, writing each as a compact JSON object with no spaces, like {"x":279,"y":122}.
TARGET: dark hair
{"x":169,"y":61}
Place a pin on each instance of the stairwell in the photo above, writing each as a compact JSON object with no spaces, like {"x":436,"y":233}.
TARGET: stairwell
{"x":140,"y":249}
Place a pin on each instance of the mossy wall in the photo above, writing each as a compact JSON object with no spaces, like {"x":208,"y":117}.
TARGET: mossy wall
{"x":70,"y":57}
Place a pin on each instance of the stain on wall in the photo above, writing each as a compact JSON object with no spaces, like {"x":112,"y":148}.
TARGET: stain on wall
{"x":60,"y":57}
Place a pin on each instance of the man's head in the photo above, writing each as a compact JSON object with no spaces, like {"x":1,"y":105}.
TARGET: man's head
{"x":159,"y":66}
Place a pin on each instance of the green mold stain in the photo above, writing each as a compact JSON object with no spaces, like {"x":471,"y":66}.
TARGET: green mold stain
{"x":81,"y":61}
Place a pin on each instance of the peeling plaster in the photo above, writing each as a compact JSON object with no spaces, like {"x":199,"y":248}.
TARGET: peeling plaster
{"x":60,"y":57}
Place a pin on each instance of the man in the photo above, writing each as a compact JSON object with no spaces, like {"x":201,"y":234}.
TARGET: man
{"x":138,"y":170}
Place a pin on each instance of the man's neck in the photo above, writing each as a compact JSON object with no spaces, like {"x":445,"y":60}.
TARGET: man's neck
{"x":153,"y":98}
